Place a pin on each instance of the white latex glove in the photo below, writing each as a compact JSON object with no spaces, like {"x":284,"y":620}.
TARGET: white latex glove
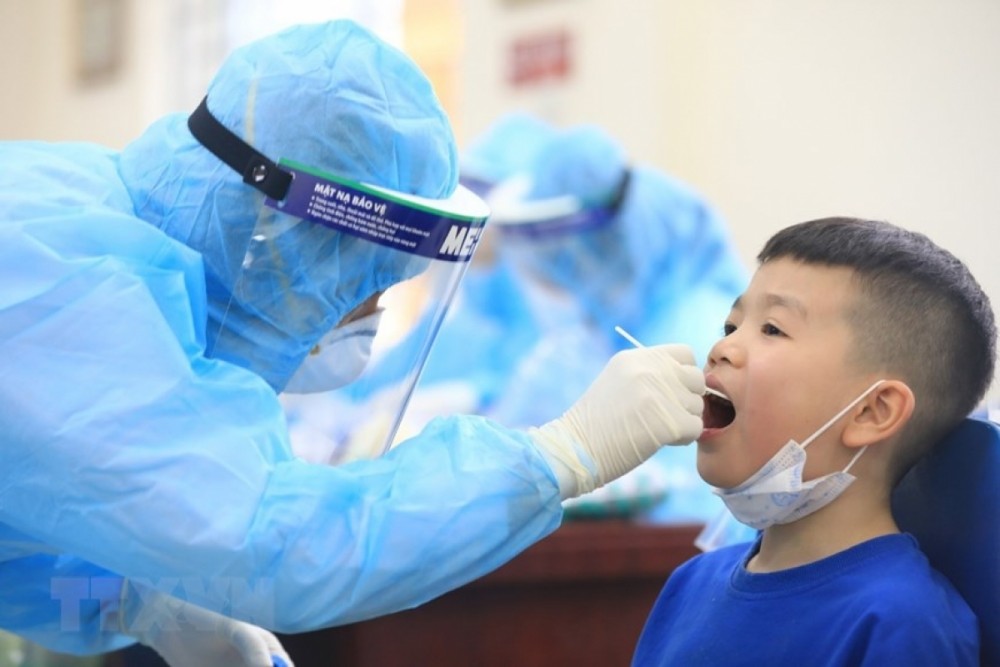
{"x":643,"y":399}
{"x":186,"y":635}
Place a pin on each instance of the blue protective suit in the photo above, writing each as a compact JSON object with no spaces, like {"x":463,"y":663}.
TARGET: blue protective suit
{"x":129,"y":451}
{"x":664,"y":267}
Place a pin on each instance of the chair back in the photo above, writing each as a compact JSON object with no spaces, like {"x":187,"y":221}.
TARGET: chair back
{"x":950,"y":502}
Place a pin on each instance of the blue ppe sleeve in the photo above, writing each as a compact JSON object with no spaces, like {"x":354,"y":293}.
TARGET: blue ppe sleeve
{"x":122,"y":444}
{"x":55,"y":601}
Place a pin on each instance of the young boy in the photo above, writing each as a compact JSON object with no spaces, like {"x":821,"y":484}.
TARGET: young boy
{"x":856,"y":347}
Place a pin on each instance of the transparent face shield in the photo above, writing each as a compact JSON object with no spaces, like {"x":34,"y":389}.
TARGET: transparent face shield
{"x":321,"y":247}
{"x":414,"y":310}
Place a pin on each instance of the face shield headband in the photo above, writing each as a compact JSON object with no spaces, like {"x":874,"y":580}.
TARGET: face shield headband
{"x":563,"y":244}
{"x":321,"y":245}
{"x":545,"y":219}
{"x":257,"y":170}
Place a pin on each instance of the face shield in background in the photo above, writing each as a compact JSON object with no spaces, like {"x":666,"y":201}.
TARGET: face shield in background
{"x":571,"y":249}
{"x":322,"y":246}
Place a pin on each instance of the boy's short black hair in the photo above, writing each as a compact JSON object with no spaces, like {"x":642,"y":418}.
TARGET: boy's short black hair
{"x":922,"y":317}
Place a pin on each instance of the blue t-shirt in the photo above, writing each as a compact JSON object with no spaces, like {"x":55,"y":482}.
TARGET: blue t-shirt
{"x":878,"y":603}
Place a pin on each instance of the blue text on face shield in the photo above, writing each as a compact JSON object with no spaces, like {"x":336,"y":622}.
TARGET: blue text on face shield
{"x":395,"y":220}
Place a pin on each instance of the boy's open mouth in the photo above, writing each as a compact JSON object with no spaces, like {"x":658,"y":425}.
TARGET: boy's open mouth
{"x":718,"y":413}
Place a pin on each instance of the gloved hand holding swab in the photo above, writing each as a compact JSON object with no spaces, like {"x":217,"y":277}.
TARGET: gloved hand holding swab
{"x":627,"y":336}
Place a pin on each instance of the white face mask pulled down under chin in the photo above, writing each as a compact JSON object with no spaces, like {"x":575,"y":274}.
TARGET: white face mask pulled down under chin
{"x":338,"y":358}
{"x":777,"y":494}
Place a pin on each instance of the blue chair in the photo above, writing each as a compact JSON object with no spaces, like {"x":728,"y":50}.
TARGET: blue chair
{"x":950,"y":502}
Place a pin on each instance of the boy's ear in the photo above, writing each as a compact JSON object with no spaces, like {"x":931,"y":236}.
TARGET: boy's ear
{"x":883,"y":414}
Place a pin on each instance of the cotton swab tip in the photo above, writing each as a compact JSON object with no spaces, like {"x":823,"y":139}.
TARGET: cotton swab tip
{"x":627,"y":336}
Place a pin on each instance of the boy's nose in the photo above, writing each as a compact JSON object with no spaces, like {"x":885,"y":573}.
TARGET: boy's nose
{"x":725,"y":350}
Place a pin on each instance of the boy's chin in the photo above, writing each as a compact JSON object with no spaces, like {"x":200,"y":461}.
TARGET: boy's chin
{"x":713,"y":470}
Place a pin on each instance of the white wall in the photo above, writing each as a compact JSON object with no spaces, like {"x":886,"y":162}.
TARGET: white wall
{"x":785,"y":111}
{"x":616,"y":78}
{"x":169,"y":51}
{"x":42,"y":95}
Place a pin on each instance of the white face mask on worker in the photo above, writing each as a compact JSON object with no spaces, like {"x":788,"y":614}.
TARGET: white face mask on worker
{"x":339,"y":357}
{"x":777,"y":494}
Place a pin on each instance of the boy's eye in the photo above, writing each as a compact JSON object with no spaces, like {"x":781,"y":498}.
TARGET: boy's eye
{"x":771,"y":330}
{"x":728,"y":328}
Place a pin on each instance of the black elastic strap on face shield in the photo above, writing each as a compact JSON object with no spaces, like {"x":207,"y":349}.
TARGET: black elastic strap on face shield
{"x":620,"y":191}
{"x":257,"y":170}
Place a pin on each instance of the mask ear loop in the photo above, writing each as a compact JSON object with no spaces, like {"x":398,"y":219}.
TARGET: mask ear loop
{"x":855,"y":458}
{"x":837,"y":416}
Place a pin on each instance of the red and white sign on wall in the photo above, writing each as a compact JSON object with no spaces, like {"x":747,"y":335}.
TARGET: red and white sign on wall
{"x":543,"y":57}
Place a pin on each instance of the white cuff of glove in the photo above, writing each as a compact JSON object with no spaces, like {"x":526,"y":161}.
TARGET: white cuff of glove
{"x":186,"y":635}
{"x":576,"y":472}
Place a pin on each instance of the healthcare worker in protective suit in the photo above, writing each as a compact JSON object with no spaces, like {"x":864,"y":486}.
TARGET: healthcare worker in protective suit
{"x":600,"y":243}
{"x":154,"y":301}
